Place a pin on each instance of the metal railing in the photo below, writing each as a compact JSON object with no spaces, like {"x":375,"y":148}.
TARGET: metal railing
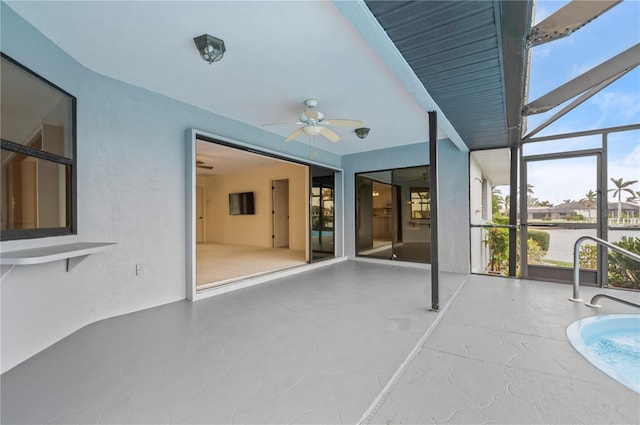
{"x":576,"y":263}
{"x":620,"y":300}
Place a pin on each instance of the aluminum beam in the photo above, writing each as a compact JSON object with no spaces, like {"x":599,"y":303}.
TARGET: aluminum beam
{"x":619,"y":64}
{"x":579,"y":101}
{"x":568,"y":20}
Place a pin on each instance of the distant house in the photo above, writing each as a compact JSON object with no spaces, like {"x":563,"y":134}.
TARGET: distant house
{"x":571,"y":209}
{"x":628,"y":209}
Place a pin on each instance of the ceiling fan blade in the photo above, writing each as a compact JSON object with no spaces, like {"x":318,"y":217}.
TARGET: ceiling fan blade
{"x":311,"y":114}
{"x":329,"y":134}
{"x":294,"y":135}
{"x":343,"y":123}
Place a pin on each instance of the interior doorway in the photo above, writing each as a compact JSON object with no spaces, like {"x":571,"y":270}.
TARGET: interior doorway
{"x":280,"y":213}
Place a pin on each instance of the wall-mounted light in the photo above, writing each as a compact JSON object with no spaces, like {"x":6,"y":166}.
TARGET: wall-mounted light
{"x":362,"y":132}
{"x":211,"y":49}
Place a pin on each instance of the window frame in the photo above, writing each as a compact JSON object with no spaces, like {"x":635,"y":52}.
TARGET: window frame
{"x":71,"y":163}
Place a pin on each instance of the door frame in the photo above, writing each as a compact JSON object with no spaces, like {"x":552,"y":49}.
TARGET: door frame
{"x":191,"y":136}
{"x":556,"y":273}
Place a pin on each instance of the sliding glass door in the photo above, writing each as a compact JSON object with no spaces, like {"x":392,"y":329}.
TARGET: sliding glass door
{"x":322,"y":213}
{"x":392,"y":214}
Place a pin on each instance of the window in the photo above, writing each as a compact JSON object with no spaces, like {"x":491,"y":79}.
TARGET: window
{"x":37,"y":193}
{"x":420,"y":203}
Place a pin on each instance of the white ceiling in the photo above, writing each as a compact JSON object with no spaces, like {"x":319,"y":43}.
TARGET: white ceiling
{"x":278,"y":54}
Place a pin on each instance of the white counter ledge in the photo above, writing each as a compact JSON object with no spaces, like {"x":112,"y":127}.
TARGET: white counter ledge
{"x":74,"y":253}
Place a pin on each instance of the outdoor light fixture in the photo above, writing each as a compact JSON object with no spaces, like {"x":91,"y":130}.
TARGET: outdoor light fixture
{"x":211,"y":49}
{"x":362,"y":132}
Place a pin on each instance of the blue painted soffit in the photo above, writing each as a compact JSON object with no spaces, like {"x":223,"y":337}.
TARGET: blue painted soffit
{"x":469,"y":56}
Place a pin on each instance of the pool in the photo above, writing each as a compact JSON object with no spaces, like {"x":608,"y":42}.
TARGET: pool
{"x":612,"y":344}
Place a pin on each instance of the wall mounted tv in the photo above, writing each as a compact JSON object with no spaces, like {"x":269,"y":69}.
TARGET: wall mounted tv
{"x":241,"y":203}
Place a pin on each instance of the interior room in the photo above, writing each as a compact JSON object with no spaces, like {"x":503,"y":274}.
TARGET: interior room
{"x":319,"y":212}
{"x":271,"y":235}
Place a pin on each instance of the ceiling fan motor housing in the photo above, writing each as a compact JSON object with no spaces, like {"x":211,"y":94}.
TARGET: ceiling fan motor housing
{"x":311,"y":103}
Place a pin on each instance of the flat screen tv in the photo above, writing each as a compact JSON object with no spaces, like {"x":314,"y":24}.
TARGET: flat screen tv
{"x":241,"y":203}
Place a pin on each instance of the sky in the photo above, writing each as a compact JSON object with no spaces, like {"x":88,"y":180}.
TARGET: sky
{"x":557,"y":62}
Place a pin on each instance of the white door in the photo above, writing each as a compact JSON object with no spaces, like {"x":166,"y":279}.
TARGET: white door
{"x":280,"y":213}
{"x":199,"y":215}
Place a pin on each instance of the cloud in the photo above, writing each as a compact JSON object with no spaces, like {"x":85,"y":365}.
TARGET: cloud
{"x":633,"y":159}
{"x":622,"y":107}
{"x":539,"y":54}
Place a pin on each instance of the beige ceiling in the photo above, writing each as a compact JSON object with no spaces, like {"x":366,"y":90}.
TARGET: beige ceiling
{"x":226,"y":159}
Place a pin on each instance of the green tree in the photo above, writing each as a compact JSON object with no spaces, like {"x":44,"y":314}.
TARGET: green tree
{"x":623,"y":271}
{"x":497,"y":240}
{"x":497,"y":202}
{"x":621,"y":186}
{"x":589,"y":201}
{"x":531,"y":201}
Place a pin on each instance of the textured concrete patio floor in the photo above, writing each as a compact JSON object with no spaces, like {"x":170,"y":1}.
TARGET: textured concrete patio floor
{"x":316,"y":347}
{"x":326,"y":346}
{"x":500,"y":355}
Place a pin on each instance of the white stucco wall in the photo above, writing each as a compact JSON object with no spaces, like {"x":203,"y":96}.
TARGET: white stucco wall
{"x":131,"y":190}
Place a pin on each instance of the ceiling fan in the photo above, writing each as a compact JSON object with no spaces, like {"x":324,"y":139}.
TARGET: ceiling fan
{"x":315,"y":123}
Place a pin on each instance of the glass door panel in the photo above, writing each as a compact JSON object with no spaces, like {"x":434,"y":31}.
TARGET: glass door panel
{"x":322,"y":213}
{"x":413,"y":238}
{"x":374,"y":215}
{"x":392,"y":214}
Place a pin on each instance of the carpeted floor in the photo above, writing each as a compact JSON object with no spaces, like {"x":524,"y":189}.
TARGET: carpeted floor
{"x":217,"y":263}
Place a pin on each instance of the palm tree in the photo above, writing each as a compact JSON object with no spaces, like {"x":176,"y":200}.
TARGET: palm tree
{"x":635,"y":197}
{"x":621,"y":186}
{"x":589,"y":201}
